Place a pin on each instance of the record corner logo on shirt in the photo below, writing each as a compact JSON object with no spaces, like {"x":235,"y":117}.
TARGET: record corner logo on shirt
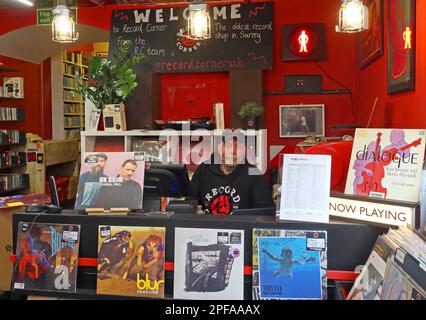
{"x":222,"y":200}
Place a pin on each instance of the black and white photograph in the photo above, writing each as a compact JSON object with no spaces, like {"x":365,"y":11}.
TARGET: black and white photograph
{"x":301,"y":120}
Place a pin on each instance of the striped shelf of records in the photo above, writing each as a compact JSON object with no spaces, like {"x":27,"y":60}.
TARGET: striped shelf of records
{"x":72,"y":65}
{"x":13,"y":158}
{"x":13,"y":163}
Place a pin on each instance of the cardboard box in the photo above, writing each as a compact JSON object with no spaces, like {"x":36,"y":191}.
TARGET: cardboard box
{"x":72,"y":188}
{"x":6,"y":246}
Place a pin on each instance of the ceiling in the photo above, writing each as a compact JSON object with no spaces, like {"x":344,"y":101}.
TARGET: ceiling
{"x":92,"y":3}
{"x":18,"y":43}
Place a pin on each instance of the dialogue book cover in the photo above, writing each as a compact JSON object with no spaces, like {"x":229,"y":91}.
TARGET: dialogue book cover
{"x":131,"y":261}
{"x":386,"y":163}
{"x":47,"y":257}
{"x":209,"y":264}
{"x":289,"y":264}
{"x":111,"y":180}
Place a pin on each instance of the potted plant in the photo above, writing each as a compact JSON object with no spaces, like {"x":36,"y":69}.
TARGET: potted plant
{"x":110,"y":81}
{"x":250,"y":113}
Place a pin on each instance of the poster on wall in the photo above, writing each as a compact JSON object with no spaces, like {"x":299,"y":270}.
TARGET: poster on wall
{"x":241,"y":38}
{"x":371,"y":39}
{"x":401,"y":45}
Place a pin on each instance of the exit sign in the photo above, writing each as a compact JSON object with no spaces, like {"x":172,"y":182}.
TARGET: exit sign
{"x":45,"y":16}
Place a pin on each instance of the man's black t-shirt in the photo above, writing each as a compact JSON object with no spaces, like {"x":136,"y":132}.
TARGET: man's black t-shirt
{"x":221,"y":194}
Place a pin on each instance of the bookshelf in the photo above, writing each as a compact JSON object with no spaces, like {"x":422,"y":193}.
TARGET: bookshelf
{"x":67,"y":106}
{"x":13,"y":158}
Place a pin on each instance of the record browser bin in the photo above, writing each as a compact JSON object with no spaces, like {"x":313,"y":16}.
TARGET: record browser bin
{"x":349,"y":245}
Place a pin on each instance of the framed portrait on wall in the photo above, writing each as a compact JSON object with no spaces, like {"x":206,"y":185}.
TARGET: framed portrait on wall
{"x":401,"y":45}
{"x":371,"y":40}
{"x":301,"y":120}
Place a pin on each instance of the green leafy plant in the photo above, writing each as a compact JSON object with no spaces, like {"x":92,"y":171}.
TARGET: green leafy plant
{"x":110,"y":81}
{"x":251,"y":109}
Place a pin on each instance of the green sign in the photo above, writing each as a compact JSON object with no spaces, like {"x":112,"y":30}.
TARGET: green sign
{"x":45,"y":16}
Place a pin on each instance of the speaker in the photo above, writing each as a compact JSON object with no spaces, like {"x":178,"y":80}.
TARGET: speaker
{"x":144,"y":106}
{"x":303,"y":83}
{"x":244,"y":86}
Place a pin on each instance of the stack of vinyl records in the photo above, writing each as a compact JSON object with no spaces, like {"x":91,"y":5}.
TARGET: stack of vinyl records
{"x":12,"y":137}
{"x":12,"y":159}
{"x":395,"y":269}
{"x":11,"y":114}
{"x":12,"y":181}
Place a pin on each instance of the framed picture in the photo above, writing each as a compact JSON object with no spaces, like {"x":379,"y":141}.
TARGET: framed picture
{"x":371,"y":40}
{"x":402,"y":45}
{"x":301,"y":120}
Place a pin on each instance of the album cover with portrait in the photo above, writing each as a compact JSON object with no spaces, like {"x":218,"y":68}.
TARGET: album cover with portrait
{"x":386,"y":163}
{"x":111,"y":180}
{"x":46,"y":257}
{"x":289,"y":264}
{"x":131,"y":261}
{"x":209,"y":264}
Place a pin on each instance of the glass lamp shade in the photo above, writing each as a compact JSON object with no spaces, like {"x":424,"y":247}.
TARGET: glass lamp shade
{"x":353,"y":16}
{"x":63,"y":27}
{"x":198,"y":22}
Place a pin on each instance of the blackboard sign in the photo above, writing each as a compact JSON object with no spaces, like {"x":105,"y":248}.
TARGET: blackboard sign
{"x":241,"y":38}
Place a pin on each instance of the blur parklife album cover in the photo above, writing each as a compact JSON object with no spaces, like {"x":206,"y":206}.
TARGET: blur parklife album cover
{"x":131,"y":261}
{"x":386,"y":163}
{"x":47,"y":257}
{"x":289,"y":264}
{"x":209,"y":264}
{"x":111,"y":180}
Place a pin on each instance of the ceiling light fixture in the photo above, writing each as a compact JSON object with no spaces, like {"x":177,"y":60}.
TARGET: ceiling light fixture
{"x":198,"y":22}
{"x":353,"y":16}
{"x":27,"y":2}
{"x":63,"y":27}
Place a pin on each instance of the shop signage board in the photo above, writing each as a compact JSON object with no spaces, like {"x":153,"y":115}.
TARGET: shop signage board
{"x":241,"y":38}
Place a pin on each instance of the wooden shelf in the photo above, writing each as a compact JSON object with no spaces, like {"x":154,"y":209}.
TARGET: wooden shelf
{"x":61,"y":158}
{"x":7,"y":192}
{"x":8,"y":69}
{"x":73,"y":114}
{"x":10,"y":98}
{"x":277,"y":93}
{"x":14,"y":167}
{"x":72,"y":101}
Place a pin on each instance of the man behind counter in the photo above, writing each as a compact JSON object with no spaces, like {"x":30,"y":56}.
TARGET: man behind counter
{"x":226,"y":186}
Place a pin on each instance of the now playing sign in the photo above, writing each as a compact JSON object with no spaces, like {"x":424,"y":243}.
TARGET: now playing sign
{"x":376,"y":211}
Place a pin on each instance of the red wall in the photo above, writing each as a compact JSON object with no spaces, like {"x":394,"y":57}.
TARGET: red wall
{"x":193,"y":95}
{"x":404,"y":110}
{"x":341,"y":64}
{"x":32,"y":102}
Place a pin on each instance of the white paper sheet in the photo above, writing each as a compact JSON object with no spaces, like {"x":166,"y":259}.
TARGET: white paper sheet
{"x":305,"y":190}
